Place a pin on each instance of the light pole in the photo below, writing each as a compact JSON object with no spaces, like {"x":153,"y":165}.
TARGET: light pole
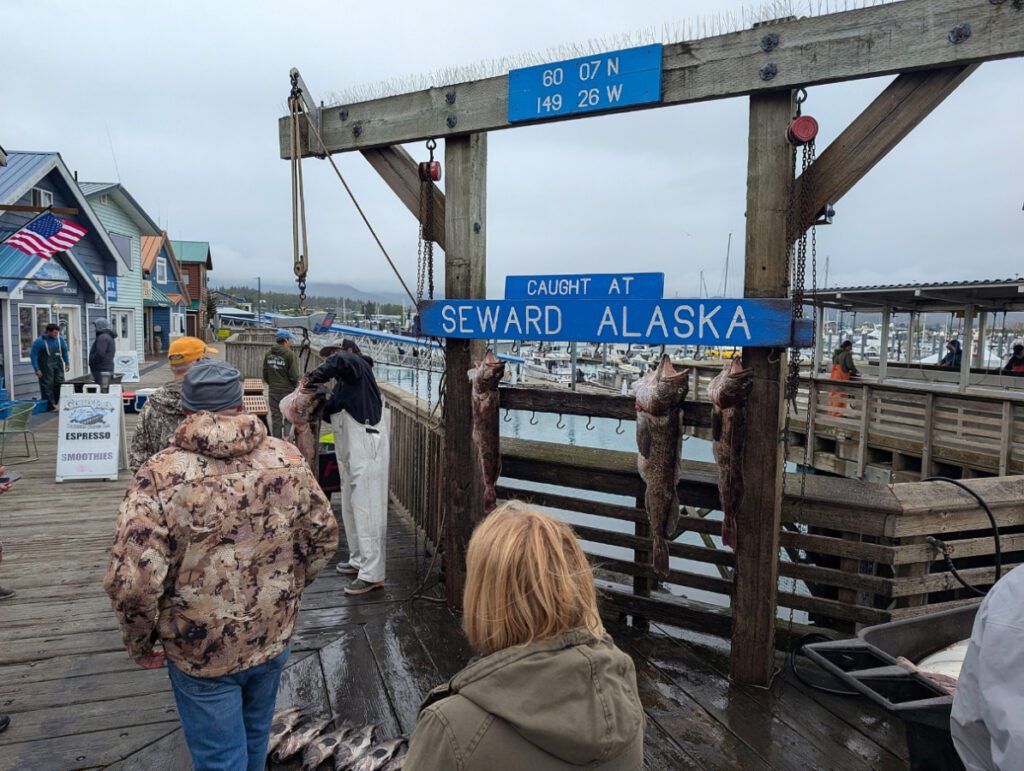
{"x":259,"y":300}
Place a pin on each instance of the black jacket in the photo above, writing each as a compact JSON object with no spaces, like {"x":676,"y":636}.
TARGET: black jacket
{"x":355,"y":389}
{"x":101,"y":355}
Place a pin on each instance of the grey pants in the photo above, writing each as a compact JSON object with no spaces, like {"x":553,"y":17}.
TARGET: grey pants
{"x":279,"y":427}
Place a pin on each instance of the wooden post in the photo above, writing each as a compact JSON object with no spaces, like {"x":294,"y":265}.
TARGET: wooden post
{"x":819,"y":340}
{"x":929,"y":431}
{"x":756,"y":577}
{"x":1005,"y":440}
{"x":979,"y":356}
{"x":865,"y":426}
{"x":965,"y":348}
{"x":465,"y":271}
{"x":883,"y":346}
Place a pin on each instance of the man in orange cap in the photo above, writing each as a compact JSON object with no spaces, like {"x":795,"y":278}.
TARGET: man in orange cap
{"x":162,"y":412}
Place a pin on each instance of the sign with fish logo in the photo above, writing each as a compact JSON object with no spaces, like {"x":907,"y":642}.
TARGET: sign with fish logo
{"x":90,"y":427}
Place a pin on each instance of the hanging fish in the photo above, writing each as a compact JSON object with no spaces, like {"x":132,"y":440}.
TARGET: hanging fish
{"x":484,"y":379}
{"x":301,"y":408}
{"x":659,"y":428}
{"x":728,"y":393}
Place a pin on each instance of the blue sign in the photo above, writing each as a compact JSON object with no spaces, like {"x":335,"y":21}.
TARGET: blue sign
{"x":111,"y":289}
{"x":759,"y":323}
{"x":592,"y":286}
{"x":591,"y":83}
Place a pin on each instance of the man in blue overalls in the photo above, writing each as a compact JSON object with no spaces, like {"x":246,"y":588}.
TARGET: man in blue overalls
{"x":50,"y":361}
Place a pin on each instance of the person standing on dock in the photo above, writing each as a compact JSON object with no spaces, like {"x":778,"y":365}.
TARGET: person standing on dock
{"x":843,"y":368}
{"x":217,"y":538}
{"x":356,"y":411}
{"x":953,"y":355}
{"x":1015,"y":364}
{"x":281,"y":374}
{"x":49,"y":355}
{"x":101,"y":353}
{"x":552,"y":690}
{"x":161,"y":414}
{"x":987,"y":721}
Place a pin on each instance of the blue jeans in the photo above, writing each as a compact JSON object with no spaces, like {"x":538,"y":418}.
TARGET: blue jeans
{"x":227,"y":719}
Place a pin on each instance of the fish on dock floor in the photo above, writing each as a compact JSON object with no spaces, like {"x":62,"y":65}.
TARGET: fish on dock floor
{"x":659,"y":428}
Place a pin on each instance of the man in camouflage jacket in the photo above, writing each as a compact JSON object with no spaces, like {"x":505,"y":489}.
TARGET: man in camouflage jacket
{"x":161,"y":413}
{"x":216,"y":539}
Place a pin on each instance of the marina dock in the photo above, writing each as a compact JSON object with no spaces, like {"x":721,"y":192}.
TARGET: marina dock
{"x":77,"y":701}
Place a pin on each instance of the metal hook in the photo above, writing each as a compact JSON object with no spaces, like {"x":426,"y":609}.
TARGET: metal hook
{"x":561,"y":423}
{"x":533,"y":419}
{"x":432,"y":143}
{"x":589,"y":427}
{"x":508,"y":415}
{"x":619,"y":429}
{"x":774,"y":352}
{"x":801,"y":96}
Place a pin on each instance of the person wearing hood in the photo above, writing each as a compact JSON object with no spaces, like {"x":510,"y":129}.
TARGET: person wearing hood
{"x":217,"y":537}
{"x":953,"y":357}
{"x":101,"y":354}
{"x":281,"y":374}
{"x":161,"y":414}
{"x":552,"y":691}
{"x":355,"y":409}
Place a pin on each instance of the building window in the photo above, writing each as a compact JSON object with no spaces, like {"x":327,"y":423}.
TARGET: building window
{"x":161,"y":271}
{"x":32,"y":321}
{"x":42,"y":198}
{"x":177,"y":322}
{"x":184,"y":278}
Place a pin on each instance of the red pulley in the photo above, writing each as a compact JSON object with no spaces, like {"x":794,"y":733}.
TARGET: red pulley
{"x":430,"y":171}
{"x":802,"y":130}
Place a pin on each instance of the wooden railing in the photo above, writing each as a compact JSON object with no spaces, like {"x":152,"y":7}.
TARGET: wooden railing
{"x":417,"y":461}
{"x":853,"y":553}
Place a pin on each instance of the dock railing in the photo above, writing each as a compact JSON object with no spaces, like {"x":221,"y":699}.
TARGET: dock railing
{"x":853,"y":553}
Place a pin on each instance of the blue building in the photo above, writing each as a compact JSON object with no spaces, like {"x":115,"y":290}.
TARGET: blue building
{"x":69,"y":290}
{"x":165,"y":295}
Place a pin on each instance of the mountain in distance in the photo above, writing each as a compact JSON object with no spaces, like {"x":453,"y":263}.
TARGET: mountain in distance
{"x":328,"y":289}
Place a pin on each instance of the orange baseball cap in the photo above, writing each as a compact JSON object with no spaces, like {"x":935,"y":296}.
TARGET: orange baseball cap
{"x":187,"y":349}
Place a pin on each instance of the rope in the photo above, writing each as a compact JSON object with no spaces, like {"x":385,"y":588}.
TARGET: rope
{"x":355,"y":202}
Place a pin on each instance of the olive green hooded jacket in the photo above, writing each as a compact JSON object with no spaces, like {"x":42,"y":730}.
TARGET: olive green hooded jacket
{"x":565,"y":703}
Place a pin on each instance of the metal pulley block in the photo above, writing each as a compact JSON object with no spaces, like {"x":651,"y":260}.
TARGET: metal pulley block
{"x":430,"y":171}
{"x":802,"y":129}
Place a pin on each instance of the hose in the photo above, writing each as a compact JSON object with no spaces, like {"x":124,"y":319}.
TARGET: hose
{"x":797,"y":647}
{"x":940,"y":545}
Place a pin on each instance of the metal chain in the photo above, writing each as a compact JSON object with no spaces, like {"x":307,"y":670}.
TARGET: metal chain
{"x":799,"y":273}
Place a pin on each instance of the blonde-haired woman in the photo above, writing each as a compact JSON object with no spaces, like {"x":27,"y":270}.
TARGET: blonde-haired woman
{"x":551,"y":690}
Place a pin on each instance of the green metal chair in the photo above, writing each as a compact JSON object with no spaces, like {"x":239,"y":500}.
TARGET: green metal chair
{"x":17,"y":424}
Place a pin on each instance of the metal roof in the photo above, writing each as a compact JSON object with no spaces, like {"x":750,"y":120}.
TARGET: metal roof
{"x":125,"y":200}
{"x":990,"y":294}
{"x":25,"y":169}
{"x":193,"y":251}
{"x":158,"y":300}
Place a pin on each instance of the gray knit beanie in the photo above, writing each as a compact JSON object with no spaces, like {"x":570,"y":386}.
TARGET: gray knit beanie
{"x":211,"y":385}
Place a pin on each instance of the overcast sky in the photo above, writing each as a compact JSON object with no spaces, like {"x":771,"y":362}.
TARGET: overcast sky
{"x":180,"y":102}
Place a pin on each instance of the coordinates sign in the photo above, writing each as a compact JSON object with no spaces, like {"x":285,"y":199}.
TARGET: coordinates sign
{"x":606,"y":81}
{"x":89,"y":434}
{"x":758,"y":323}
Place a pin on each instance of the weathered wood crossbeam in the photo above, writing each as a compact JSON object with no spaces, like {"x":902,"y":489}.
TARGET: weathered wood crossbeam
{"x":864,"y":43}
{"x":613,"y":406}
{"x":401,"y":173}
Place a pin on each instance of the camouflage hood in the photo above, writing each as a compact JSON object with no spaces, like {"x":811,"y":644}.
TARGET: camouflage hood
{"x":166,"y":401}
{"x":220,"y":436}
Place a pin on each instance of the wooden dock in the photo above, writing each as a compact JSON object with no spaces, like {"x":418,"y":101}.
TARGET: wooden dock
{"x":77,"y":701}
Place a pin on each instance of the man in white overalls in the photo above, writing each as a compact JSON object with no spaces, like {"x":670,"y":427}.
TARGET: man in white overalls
{"x":356,"y":412}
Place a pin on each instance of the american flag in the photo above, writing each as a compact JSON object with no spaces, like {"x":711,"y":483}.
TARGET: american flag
{"x":46,"y":235}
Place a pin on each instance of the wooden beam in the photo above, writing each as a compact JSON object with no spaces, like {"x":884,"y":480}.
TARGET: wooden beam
{"x":465,"y":266}
{"x":613,"y":406}
{"x":864,"y":43}
{"x":36,"y":209}
{"x":401,"y":172}
{"x":766,"y":274}
{"x":878,"y":129}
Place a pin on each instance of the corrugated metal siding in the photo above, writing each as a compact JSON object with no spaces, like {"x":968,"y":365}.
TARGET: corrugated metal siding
{"x":129,"y":287}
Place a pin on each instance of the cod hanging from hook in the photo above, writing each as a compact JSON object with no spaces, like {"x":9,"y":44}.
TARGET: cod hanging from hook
{"x":484,"y":379}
